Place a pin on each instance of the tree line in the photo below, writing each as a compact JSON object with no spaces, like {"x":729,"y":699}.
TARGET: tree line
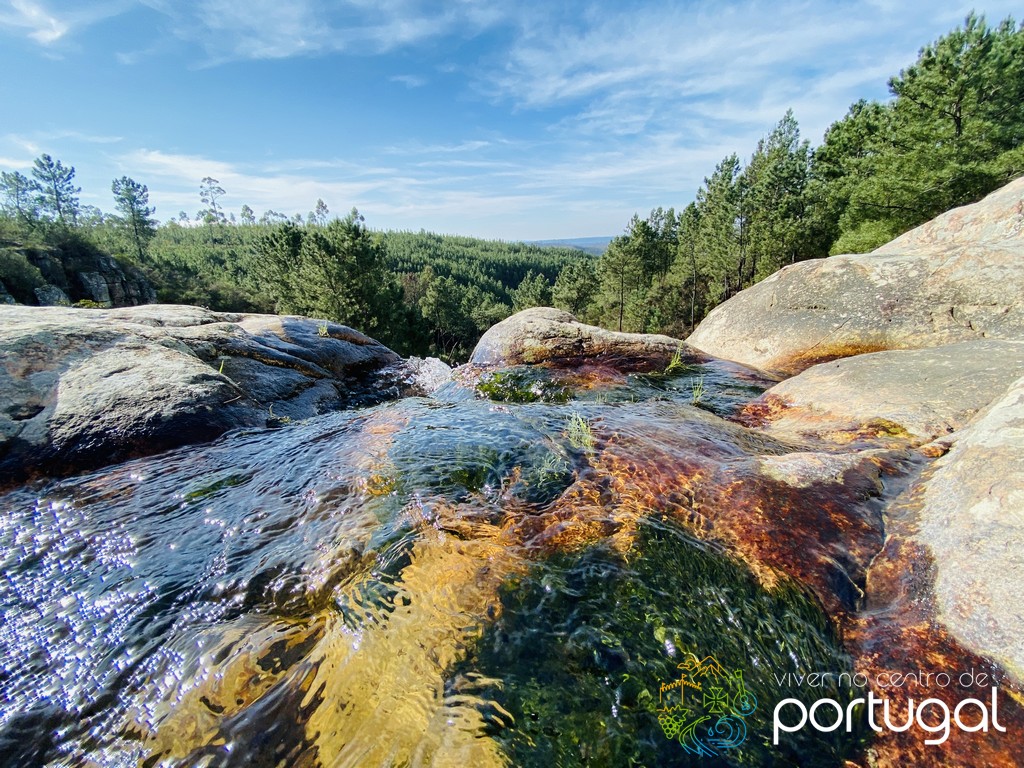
{"x":420,"y":293}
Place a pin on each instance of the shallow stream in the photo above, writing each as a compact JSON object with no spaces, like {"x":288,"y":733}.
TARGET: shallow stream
{"x":435,"y":581}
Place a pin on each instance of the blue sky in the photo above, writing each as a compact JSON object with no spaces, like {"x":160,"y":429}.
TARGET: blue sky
{"x":513,"y":120}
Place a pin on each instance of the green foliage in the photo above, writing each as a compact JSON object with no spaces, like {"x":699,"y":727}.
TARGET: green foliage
{"x":57,"y":198}
{"x":576,"y":286}
{"x":772,"y":203}
{"x":676,"y":361}
{"x":953,"y":131}
{"x":533,"y":291}
{"x":580,"y":434}
{"x":19,"y":276}
{"x":132,"y":201}
{"x":454,"y":288}
{"x":522,"y":385}
{"x":636,"y":264}
{"x":20,"y":198}
{"x":951,"y":134}
{"x":698,"y":390}
{"x":866,"y":236}
{"x":335,"y":271}
{"x":210,"y":191}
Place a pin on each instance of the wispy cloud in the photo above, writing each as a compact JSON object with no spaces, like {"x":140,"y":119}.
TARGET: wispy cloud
{"x":23,"y":143}
{"x":410,"y":81}
{"x":423,"y":150}
{"x":232,"y":30}
{"x":34,"y":20}
{"x":50,"y":23}
{"x":174,"y":179}
{"x":544,"y":119}
{"x":14,"y":162}
{"x":629,"y":71}
{"x":78,"y":136}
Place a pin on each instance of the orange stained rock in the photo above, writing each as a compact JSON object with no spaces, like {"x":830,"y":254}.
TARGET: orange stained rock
{"x":899,"y":633}
{"x":762,"y":411}
{"x":822,"y":353}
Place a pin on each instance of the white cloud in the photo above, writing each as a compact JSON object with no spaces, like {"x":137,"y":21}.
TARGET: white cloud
{"x":14,"y":163}
{"x":410,"y":81}
{"x":33,"y":18}
{"x":232,"y":30}
{"x":174,"y":178}
{"x":605,"y":109}
{"x":52,"y":23}
{"x":741,"y":64}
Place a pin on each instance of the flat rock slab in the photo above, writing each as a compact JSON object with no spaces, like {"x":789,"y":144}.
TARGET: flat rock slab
{"x":547,"y":335}
{"x":81,"y":388}
{"x":956,"y":278}
{"x":919,"y":394}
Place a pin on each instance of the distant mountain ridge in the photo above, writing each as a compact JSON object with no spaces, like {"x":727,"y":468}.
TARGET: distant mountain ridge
{"x":593,"y":245}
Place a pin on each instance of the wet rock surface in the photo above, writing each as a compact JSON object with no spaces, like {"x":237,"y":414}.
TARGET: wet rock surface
{"x":506,"y":572}
{"x":972,"y":522}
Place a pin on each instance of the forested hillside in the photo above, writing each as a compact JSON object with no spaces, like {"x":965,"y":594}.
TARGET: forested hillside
{"x":419,"y":293}
{"x":951,"y":132}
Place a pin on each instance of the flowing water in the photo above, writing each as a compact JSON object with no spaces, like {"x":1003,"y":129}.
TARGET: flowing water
{"x":444,"y":581}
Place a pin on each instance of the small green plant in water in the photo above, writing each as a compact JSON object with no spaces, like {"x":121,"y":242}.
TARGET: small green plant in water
{"x":697,"y":390}
{"x":322,"y":330}
{"x":676,"y":362}
{"x":579,"y":433}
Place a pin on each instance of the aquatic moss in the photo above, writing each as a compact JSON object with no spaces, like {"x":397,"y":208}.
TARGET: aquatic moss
{"x":583,"y":643}
{"x":522,"y":386}
{"x":210,"y":486}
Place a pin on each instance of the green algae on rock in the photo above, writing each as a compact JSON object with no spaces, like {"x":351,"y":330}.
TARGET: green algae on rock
{"x":583,"y":645}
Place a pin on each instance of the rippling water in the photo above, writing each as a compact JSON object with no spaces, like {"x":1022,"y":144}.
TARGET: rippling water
{"x":447,"y":581}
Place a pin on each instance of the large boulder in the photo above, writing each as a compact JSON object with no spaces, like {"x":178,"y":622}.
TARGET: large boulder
{"x":548,"y":335}
{"x":972,"y":523}
{"x":919,"y":394}
{"x":956,"y":278}
{"x":81,"y":388}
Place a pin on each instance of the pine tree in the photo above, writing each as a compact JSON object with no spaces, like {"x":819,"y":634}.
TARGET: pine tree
{"x":132,"y":200}
{"x":58,"y":196}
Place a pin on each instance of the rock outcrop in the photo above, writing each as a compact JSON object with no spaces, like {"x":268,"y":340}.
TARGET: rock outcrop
{"x":972,"y":523}
{"x":548,"y":335}
{"x":79,"y":272}
{"x":956,"y":278}
{"x":83,"y":387}
{"x":919,"y":394}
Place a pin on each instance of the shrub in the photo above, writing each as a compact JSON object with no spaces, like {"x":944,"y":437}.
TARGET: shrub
{"x":20,"y":277}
